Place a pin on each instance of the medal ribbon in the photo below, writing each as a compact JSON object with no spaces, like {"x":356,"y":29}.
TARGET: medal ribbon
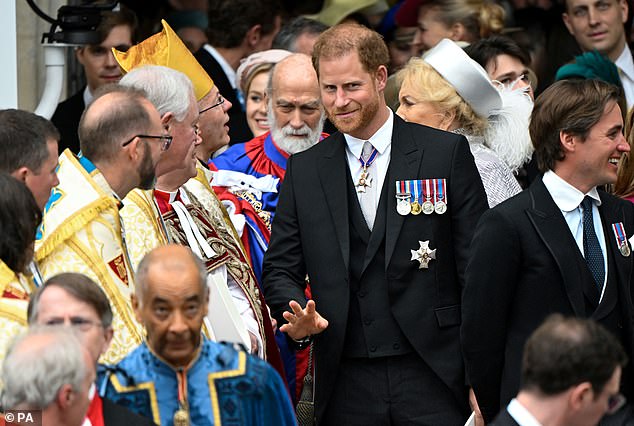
{"x":408,"y":191}
{"x":416,"y":190}
{"x":181,"y":376}
{"x":400,"y":187}
{"x":367,"y":163}
{"x":440,"y":189}
{"x":427,"y":190}
{"x":619,"y":233}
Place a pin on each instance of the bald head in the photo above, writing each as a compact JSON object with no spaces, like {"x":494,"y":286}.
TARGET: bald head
{"x":116,"y":113}
{"x":165,"y":260}
{"x":294,"y":70}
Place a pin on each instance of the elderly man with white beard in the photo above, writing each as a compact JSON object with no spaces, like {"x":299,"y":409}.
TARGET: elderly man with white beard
{"x":254,"y":170}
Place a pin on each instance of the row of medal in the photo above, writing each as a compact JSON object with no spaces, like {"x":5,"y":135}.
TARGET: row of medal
{"x":421,"y":196}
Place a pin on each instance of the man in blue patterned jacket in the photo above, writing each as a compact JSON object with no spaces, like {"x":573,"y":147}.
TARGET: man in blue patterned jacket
{"x":176,"y":377}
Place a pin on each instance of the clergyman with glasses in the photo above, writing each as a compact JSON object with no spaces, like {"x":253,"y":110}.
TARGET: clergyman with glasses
{"x":74,"y":300}
{"x":182,"y":208}
{"x":82,"y":229}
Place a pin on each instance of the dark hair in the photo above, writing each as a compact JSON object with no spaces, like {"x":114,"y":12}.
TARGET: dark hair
{"x":101,"y":135}
{"x":487,"y":49}
{"x":230,"y":20}
{"x":342,"y":39}
{"x":290,"y":32}
{"x":81,"y":288}
{"x":109,"y":20}
{"x":19,"y":218}
{"x":570,"y":106}
{"x":565,"y":352}
{"x":23,"y":140}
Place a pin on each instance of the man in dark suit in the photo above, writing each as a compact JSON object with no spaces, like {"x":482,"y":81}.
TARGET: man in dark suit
{"x":386,"y":279}
{"x":116,"y":29}
{"x":237,"y":28}
{"x":560,"y":246}
{"x":570,"y":375}
{"x":75,"y":300}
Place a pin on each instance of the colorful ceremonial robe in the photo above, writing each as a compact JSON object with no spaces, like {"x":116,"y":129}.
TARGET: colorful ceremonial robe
{"x":151,"y":221}
{"x":15,"y":290}
{"x":241,"y":218}
{"x":220,"y":386}
{"x":82,"y":232}
{"x":258,"y":157}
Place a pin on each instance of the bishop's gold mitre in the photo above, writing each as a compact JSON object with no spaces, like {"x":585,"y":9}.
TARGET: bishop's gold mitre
{"x":166,"y":49}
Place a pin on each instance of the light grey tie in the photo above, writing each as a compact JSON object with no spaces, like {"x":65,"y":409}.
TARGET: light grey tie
{"x":367,"y":199}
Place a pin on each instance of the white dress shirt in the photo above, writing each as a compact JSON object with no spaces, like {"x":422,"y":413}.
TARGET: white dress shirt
{"x":382,"y":141}
{"x":568,"y":199}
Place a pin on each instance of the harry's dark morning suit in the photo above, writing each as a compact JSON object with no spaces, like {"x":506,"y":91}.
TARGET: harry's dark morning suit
{"x":376,"y":299}
{"x":238,"y":128}
{"x":525,"y":265}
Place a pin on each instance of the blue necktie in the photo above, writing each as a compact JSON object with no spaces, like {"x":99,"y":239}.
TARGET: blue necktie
{"x":591,"y":247}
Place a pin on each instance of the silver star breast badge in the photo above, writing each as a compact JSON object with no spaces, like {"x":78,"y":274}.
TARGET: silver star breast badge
{"x":423,"y":255}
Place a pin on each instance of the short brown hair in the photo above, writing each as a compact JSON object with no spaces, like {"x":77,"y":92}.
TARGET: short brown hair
{"x":570,"y":106}
{"x":81,"y":288}
{"x":342,"y":39}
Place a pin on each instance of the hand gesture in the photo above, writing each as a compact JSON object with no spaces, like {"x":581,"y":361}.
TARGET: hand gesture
{"x":303,"y":322}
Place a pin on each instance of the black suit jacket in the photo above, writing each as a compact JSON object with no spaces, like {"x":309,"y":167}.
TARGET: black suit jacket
{"x":524,"y":266}
{"x":504,"y":419}
{"x":116,"y":415}
{"x":238,"y":128}
{"x":66,"y":119}
{"x":311,"y":235}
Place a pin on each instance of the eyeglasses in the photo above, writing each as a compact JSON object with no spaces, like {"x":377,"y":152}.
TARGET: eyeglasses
{"x":79,"y":323}
{"x":615,"y":402}
{"x":221,"y":101}
{"x":167,"y":140}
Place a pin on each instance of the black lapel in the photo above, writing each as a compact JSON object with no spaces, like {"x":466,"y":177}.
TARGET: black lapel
{"x":612,"y":212}
{"x":405,"y":162}
{"x":332,"y":173}
{"x":553,"y":230}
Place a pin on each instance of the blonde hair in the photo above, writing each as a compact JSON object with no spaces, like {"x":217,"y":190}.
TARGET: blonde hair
{"x":624,"y":186}
{"x":479,"y":18}
{"x":431,"y":87}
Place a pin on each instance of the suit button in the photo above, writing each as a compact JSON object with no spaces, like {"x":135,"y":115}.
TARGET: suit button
{"x":361,"y":294}
{"x":372,"y":348}
{"x":396,"y":346}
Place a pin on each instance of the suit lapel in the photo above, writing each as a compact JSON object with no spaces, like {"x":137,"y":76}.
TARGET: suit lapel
{"x":554,"y":232}
{"x":611,"y":212}
{"x":332,"y":173}
{"x":405,"y":162}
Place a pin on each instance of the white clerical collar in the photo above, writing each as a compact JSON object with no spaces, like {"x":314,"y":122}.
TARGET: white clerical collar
{"x":625,"y":63}
{"x":228,"y":69}
{"x":566,"y":196}
{"x":521,"y":415}
{"x":380,"y":140}
{"x":88,"y":97}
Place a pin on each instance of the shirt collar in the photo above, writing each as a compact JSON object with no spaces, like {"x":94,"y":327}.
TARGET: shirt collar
{"x":228,"y":69}
{"x":381,"y":140}
{"x":521,"y":415}
{"x":87,"y":96}
{"x":566,"y":196}
{"x":625,"y":63}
